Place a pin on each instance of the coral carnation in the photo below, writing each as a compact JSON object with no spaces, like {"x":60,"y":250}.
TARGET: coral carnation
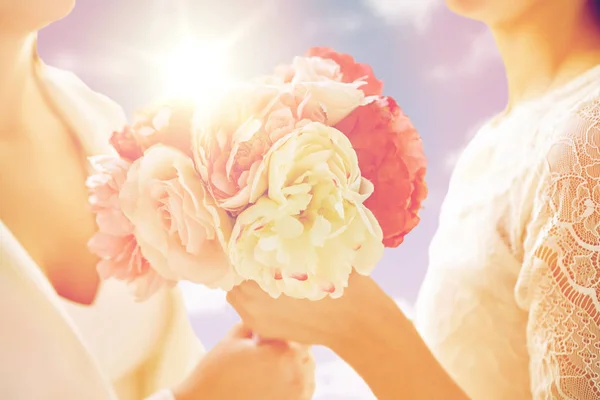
{"x":390,"y":155}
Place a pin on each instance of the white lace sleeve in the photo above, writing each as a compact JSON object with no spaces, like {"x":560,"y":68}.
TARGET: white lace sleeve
{"x":562,"y":268}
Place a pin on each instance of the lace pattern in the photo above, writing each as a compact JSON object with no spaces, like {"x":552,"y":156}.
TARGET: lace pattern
{"x":563,"y":267}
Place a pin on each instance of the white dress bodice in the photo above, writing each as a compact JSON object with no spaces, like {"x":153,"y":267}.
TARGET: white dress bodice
{"x":121,"y":333}
{"x":509,"y":300}
{"x":52,"y":348}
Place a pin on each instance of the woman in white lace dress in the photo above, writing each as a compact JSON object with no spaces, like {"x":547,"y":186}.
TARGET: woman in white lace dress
{"x":510,"y":306}
{"x":63,"y":334}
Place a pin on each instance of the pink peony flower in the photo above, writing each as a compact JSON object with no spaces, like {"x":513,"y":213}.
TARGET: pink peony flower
{"x":323,"y":63}
{"x":231,"y":140}
{"x":168,"y":124}
{"x":178,"y":227}
{"x":114,"y":243}
{"x":350,"y":69}
{"x":309,"y":69}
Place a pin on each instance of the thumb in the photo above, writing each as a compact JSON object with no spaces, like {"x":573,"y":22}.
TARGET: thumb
{"x":241,"y":331}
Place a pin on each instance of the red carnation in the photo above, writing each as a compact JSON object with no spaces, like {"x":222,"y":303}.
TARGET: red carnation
{"x":350,"y":69}
{"x":390,"y":155}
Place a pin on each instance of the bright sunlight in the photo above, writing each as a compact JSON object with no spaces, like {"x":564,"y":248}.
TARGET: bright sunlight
{"x":196,"y":70}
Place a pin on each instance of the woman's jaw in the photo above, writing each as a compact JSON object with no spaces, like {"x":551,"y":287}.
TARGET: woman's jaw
{"x":22,"y":17}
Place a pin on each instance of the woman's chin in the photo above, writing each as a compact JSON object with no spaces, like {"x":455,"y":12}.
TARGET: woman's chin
{"x":33,"y":15}
{"x":489,"y":12}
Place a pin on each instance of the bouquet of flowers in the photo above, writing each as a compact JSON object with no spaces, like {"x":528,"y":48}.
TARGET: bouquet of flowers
{"x":292,"y":180}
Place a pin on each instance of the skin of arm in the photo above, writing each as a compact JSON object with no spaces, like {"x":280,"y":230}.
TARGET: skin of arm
{"x":385,"y":349}
{"x":365,"y":327}
{"x":240,"y":367}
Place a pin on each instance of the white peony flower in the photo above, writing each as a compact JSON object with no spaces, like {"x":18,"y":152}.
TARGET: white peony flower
{"x":305,"y":235}
{"x":231,"y":139}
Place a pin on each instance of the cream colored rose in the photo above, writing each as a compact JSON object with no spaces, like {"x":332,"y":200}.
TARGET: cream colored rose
{"x":305,"y":235}
{"x":178,"y":227}
{"x":335,"y":100}
{"x":232,"y":138}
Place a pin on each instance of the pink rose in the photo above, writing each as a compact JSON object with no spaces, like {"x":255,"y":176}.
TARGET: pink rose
{"x":168,"y":124}
{"x":114,"y":243}
{"x":350,"y":70}
{"x":309,"y":69}
{"x":121,"y":258}
{"x":231,"y":140}
{"x":323,"y":63}
{"x":177,"y":225}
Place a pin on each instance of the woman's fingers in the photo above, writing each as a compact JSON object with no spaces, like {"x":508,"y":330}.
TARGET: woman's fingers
{"x":241,"y":330}
{"x":250,"y":288}
{"x":245,"y":290}
{"x":236,"y":298}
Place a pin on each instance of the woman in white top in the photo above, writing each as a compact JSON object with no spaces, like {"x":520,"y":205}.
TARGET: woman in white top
{"x":510,"y":306}
{"x":63,"y":334}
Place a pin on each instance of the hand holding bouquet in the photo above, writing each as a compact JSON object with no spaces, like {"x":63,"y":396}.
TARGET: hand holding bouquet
{"x":292,"y":180}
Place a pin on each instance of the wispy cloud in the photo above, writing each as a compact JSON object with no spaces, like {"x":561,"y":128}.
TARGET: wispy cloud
{"x":338,"y":25}
{"x":199,"y":300}
{"x":480,"y":53}
{"x":416,"y":12}
{"x":95,"y":66}
{"x":453,"y":156}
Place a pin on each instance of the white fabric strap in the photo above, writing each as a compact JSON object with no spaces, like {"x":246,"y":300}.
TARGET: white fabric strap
{"x":162,"y":395}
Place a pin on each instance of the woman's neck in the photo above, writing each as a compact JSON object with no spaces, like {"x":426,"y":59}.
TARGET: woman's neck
{"x":17,"y":81}
{"x":546,"y":48}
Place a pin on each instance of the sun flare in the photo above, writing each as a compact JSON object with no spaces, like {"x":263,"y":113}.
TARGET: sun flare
{"x":196,"y":70}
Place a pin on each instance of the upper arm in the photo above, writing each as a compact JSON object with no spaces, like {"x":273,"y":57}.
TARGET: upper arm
{"x":563,"y":266}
